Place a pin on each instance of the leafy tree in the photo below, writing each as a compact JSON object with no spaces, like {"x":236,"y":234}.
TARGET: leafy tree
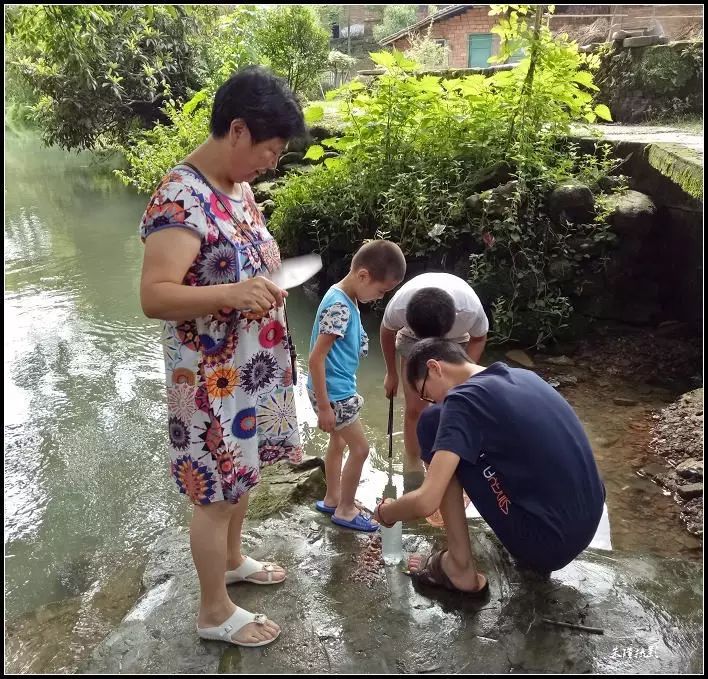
{"x":98,"y":71}
{"x":395,"y":18}
{"x":295,"y":44}
{"x":228,"y":40}
{"x":426,"y":52}
{"x":20,"y":98}
{"x":328,"y":14}
{"x":340,"y":65}
{"x":149,"y":154}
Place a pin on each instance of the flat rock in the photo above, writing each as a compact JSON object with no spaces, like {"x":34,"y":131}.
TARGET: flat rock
{"x":292,"y":157}
{"x":334,"y":624}
{"x":624,"y":401}
{"x":563,"y":381}
{"x":520,"y":357}
{"x":653,"y":470}
{"x":690,"y":468}
{"x":559,"y":360}
{"x":282,"y":485}
{"x":641,"y":41}
{"x":690,"y":490}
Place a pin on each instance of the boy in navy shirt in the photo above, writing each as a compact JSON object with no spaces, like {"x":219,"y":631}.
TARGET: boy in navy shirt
{"x":519,"y":451}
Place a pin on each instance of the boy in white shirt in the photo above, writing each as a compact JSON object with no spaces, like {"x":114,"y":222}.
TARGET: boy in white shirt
{"x":429,"y":305}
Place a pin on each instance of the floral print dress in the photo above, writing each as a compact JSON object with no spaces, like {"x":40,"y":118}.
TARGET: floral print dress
{"x":230,"y":400}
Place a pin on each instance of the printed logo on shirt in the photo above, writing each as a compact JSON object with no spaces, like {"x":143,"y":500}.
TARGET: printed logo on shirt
{"x":503,"y":502}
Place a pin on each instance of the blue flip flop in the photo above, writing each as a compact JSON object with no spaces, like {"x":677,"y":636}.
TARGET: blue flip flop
{"x":359,"y":522}
{"x":320,"y":506}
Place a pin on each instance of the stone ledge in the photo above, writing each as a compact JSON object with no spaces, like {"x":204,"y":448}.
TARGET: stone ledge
{"x":680,"y":164}
{"x":334,"y":622}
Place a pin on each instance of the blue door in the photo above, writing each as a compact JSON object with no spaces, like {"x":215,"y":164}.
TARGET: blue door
{"x":480,"y":49}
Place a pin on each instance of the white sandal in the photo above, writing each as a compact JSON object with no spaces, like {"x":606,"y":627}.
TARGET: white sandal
{"x":240,"y":618}
{"x":250,"y":567}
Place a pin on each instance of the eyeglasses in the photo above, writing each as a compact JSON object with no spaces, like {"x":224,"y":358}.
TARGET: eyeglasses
{"x":422,"y":389}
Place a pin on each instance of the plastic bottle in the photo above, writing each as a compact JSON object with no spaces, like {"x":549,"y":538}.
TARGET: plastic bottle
{"x":392,"y":544}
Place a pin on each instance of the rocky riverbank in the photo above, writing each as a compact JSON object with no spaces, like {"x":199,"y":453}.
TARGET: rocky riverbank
{"x":678,"y":443}
{"x":647,"y":611}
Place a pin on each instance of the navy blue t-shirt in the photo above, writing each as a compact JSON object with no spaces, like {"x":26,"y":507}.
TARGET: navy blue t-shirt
{"x":525,"y":462}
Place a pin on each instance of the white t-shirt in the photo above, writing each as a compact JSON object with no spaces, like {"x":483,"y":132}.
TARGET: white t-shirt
{"x":470,"y":318}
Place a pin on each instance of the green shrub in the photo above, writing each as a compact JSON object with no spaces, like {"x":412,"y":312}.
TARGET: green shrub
{"x":414,"y":148}
{"x":395,"y":18}
{"x":150,"y":154}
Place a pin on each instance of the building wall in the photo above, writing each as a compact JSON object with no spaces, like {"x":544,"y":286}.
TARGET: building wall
{"x":362,"y":19}
{"x":675,"y":20}
{"x":456,"y":31}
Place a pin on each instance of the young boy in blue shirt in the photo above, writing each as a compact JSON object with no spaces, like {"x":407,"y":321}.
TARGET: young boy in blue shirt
{"x":338,"y":342}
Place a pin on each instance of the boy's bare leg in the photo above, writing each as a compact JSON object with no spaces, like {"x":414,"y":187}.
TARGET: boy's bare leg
{"x":354,"y":437}
{"x":333,"y":468}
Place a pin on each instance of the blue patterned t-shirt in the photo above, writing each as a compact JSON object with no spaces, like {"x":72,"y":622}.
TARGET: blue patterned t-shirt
{"x":338,"y":315}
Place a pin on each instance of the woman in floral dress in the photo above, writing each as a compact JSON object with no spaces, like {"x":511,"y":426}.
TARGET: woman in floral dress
{"x":229,"y":376}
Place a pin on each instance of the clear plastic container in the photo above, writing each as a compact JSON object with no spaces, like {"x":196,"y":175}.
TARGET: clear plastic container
{"x":392,"y":544}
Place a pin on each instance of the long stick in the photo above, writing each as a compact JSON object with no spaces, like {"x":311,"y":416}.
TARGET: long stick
{"x":390,"y":490}
{"x":390,"y":429}
{"x":390,"y":440}
{"x":582,"y":628}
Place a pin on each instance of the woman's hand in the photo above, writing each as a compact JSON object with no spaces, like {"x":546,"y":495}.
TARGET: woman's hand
{"x":169,"y":254}
{"x":257,"y":295}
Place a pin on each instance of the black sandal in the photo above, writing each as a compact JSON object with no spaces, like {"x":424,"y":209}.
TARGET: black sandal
{"x":431,"y":574}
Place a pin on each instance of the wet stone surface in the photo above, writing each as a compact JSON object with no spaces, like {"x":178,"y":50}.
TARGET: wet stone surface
{"x":649,"y":609}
